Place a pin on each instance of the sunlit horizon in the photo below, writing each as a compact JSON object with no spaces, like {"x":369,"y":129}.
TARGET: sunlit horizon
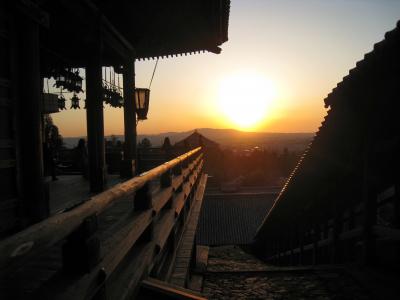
{"x":301,"y":49}
{"x":245,"y":99}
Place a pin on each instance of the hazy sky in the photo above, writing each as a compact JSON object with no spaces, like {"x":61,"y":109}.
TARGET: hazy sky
{"x":303,"y":48}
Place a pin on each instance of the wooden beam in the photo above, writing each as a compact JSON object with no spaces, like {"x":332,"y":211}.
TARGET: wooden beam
{"x":95,"y":120}
{"x":128,"y":165}
{"x":35,"y":206}
{"x":112,"y":36}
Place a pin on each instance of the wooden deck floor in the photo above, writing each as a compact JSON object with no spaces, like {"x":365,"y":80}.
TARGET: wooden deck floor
{"x":70,"y":190}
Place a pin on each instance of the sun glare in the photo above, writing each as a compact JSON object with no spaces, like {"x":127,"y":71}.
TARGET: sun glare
{"x":244,"y":98}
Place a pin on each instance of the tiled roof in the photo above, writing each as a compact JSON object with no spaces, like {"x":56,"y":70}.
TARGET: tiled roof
{"x":168,"y":28}
{"x":228,"y":219}
{"x":195,"y":140}
{"x":360,"y":110}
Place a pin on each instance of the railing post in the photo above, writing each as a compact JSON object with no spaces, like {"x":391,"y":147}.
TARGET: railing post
{"x":166,"y":179}
{"x":185,"y":163}
{"x":81,"y":252}
{"x":177,"y":170}
{"x":143,"y":199}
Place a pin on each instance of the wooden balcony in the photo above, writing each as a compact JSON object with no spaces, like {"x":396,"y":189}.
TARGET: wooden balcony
{"x":106,"y":246}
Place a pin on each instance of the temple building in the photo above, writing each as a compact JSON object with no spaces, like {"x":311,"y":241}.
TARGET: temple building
{"x":107,"y":245}
{"x":55,"y":39}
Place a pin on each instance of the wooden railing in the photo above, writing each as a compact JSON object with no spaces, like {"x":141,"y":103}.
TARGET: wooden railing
{"x":348,"y":236}
{"x":111,"y":265}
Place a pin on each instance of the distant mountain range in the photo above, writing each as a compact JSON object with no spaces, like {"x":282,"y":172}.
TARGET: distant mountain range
{"x":226,"y":138}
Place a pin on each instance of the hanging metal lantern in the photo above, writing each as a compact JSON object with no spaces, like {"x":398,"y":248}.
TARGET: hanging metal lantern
{"x":75,"y":102}
{"x":60,"y":79}
{"x":68,"y":80}
{"x":76,"y":82}
{"x":61,"y":102}
{"x":142,"y":99}
{"x":116,"y":99}
{"x":107,"y":94}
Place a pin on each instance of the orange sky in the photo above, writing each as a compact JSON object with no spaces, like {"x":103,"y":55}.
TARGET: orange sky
{"x":303,"y":47}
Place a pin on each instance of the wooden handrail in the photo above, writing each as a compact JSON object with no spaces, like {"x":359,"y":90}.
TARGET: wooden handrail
{"x":162,"y":289}
{"x":118,"y":247}
{"x":35,"y":239}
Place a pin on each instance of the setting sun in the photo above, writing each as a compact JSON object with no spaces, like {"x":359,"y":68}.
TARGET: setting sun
{"x":244,"y":98}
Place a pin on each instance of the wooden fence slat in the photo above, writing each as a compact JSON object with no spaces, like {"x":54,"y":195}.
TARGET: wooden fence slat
{"x":163,"y":229}
{"x":115,"y":250}
{"x":162,"y":198}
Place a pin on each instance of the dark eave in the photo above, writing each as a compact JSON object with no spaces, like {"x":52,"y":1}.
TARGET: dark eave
{"x":137,"y":29}
{"x":167,"y":28}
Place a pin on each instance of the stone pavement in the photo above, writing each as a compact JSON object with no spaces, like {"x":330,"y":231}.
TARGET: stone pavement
{"x":234,"y":274}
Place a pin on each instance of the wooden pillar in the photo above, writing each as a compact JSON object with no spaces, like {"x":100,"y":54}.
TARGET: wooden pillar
{"x":128,"y":169}
{"x":95,"y":120}
{"x":35,"y":206}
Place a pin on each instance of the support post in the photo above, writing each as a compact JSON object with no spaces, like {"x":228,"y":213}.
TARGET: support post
{"x":143,"y":198}
{"x":95,"y":120}
{"x":81,"y":252}
{"x":29,"y":137}
{"x":166,"y":179}
{"x":128,"y":168}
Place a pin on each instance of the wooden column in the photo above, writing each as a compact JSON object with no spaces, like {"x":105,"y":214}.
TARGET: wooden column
{"x":95,"y":120}
{"x":35,"y":206}
{"x":128,"y":164}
